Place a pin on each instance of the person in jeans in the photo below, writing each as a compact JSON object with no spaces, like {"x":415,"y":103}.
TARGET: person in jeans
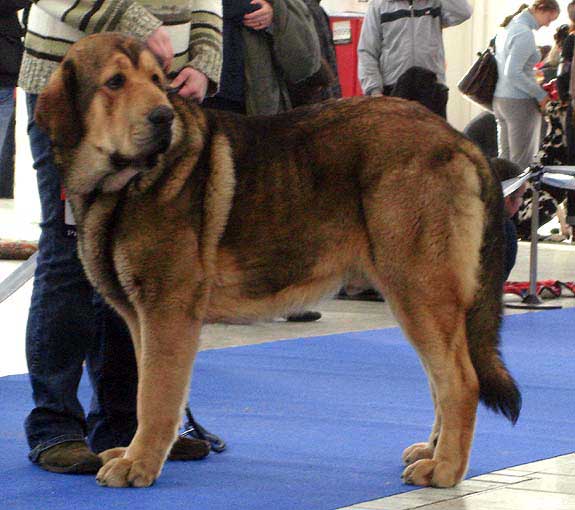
{"x":519,"y":99}
{"x":565,"y":84}
{"x":11,"y":49}
{"x":505,"y":170}
{"x":68,"y":322}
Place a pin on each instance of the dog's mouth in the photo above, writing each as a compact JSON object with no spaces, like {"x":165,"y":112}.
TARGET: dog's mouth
{"x":124,"y":168}
{"x":148,"y":158}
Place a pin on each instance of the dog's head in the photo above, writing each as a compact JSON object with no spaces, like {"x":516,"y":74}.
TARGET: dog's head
{"x":107,"y":104}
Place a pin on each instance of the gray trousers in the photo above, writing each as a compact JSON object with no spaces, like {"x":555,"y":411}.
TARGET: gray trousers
{"x":518,"y":129}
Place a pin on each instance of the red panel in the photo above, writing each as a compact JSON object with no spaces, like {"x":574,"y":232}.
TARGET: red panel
{"x":346,"y":53}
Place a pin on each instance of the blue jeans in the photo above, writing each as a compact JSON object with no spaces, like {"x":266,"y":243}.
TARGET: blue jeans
{"x":510,"y":246}
{"x":7,"y":105}
{"x":7,"y":111}
{"x":68,"y":324}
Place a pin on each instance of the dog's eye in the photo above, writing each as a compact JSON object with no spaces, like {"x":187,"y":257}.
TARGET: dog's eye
{"x":116,"y":81}
{"x":156,"y":79}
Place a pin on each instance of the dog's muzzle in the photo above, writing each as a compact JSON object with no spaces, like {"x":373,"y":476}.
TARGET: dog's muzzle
{"x":160,"y":137}
{"x":161,"y":116}
{"x":161,"y":119}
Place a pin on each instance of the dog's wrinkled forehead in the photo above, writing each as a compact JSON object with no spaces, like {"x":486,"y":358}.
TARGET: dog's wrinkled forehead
{"x":101,"y":46}
{"x":94,"y":53}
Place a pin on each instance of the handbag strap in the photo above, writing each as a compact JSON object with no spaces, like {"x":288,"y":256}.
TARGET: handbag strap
{"x":492,"y":45}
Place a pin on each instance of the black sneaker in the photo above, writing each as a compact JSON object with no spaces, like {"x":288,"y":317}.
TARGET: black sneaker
{"x":72,"y":457}
{"x":365,"y":295}
{"x":304,"y":317}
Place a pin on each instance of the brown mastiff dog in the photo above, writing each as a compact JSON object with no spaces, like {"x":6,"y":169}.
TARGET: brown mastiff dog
{"x":188,"y":216}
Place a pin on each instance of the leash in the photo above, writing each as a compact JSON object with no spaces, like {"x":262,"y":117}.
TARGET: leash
{"x":18,"y":277}
{"x":196,"y":431}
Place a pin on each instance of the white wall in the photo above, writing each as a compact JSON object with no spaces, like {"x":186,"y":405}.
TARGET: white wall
{"x":463,"y":42}
{"x":344,"y":5}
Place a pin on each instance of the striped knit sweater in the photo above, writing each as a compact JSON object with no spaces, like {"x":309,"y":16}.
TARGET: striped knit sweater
{"x":194,"y":26}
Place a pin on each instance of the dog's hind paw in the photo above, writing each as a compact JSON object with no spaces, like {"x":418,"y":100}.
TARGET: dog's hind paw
{"x":416,"y":452}
{"x":122,"y":472}
{"x":429,"y":472}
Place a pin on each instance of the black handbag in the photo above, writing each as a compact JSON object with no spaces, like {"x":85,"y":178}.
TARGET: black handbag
{"x":478,"y":83}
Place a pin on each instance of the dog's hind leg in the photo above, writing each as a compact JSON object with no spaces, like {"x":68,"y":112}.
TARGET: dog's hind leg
{"x":168,"y":346}
{"x":425,"y":450}
{"x":437,"y":331}
{"x":426,"y":222}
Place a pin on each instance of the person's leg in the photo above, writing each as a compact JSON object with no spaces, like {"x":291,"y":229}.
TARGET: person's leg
{"x":7,"y":156}
{"x":570,"y":135}
{"x":7,"y":104}
{"x":112,"y":367}
{"x":570,"y":140}
{"x":510,"y":246}
{"x":440,"y":99}
{"x":6,"y":110}
{"x":502,"y":131}
{"x":523,"y":129}
{"x":112,"y":420}
{"x":570,"y":213}
{"x":60,"y":325}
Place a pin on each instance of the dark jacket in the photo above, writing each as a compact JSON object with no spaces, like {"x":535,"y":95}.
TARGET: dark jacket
{"x":325,"y":84}
{"x":232,"y":78}
{"x":11,"y":47}
{"x":564,"y":70}
{"x":288,"y":53}
{"x":260,"y":65}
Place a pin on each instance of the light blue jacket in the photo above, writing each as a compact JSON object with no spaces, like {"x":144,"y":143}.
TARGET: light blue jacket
{"x":516,"y":54}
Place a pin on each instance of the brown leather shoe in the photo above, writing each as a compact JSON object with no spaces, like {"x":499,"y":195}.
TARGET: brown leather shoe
{"x":187,"y":448}
{"x":72,"y":457}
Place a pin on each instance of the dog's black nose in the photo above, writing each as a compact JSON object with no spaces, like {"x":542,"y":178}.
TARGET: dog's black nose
{"x":161,"y":115}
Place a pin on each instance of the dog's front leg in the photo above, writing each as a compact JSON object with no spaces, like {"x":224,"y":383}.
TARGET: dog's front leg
{"x":169,"y":343}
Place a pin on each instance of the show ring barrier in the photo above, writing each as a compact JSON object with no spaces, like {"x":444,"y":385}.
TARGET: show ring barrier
{"x":558,"y":176}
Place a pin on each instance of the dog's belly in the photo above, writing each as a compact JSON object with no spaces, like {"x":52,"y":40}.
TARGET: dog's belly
{"x":240,"y":296}
{"x":231,"y":306}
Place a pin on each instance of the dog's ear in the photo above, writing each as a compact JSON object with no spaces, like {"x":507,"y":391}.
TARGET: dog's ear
{"x":56,"y":111}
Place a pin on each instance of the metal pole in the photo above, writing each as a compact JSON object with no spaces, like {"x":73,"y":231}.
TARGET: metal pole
{"x":532,"y":301}
{"x":532,"y":297}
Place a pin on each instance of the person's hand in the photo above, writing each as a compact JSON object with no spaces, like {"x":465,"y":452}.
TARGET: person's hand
{"x":260,"y":19}
{"x":194,"y":84}
{"x":543,"y":103}
{"x":160,"y":45}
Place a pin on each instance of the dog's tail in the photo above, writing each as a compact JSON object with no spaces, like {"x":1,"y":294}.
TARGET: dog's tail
{"x":497,"y":388}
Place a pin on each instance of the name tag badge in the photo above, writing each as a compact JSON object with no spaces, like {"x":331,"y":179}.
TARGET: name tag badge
{"x":69,"y":221}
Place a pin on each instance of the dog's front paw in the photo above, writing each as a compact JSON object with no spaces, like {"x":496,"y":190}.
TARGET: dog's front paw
{"x":113,"y":453}
{"x":429,"y":472}
{"x":417,"y":452}
{"x":123,"y":472}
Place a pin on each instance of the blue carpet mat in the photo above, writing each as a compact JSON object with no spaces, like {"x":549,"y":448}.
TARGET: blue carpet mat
{"x":316,"y":423}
